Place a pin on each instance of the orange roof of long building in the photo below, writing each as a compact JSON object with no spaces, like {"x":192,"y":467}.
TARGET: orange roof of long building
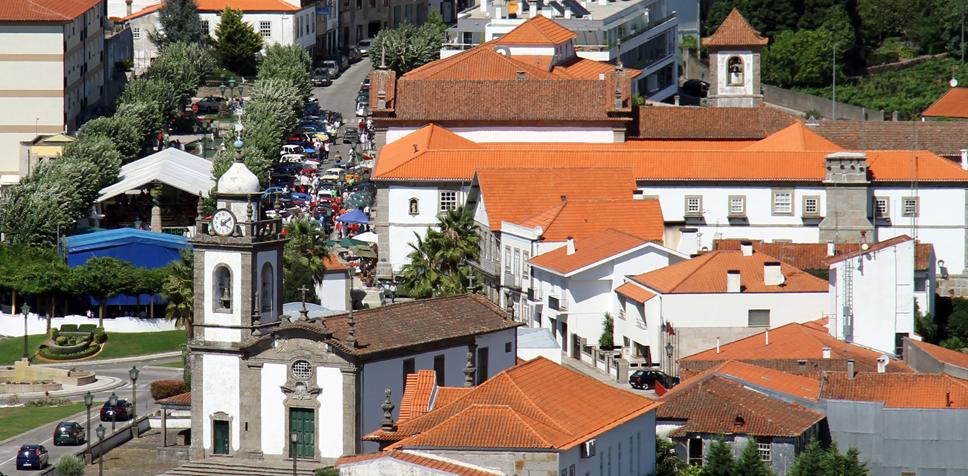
{"x":219,"y":5}
{"x":409,"y":459}
{"x":897,"y":390}
{"x":735,"y":31}
{"x":534,"y":405}
{"x":417,"y":392}
{"x":795,"y":137}
{"x":953,"y":103}
{"x":478,"y":64}
{"x":581,"y":218}
{"x":808,"y":256}
{"x":44,"y":10}
{"x":537,"y":30}
{"x":947,"y":356}
{"x":589,"y":250}
{"x":635,"y":292}
{"x":706,"y":273}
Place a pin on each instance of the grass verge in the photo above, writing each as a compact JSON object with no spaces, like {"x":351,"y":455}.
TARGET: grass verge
{"x":118,"y":345}
{"x":16,"y":420}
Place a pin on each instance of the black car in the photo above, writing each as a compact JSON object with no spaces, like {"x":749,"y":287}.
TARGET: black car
{"x":119,"y":412}
{"x":646,"y":379}
{"x":32,"y":456}
{"x":321,"y":77}
{"x":351,"y":134}
{"x":68,"y":433}
{"x":696,"y":88}
{"x":210,"y":105}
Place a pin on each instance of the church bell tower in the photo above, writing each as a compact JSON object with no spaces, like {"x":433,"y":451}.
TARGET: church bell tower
{"x":734,"y":63}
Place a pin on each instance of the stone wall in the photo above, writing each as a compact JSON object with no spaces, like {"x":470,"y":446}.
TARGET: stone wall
{"x":798,"y":101}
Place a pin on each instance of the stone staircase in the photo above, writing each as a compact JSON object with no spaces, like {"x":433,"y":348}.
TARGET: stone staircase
{"x":214,"y":467}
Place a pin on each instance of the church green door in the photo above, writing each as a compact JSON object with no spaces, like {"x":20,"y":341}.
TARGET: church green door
{"x":302,"y":422}
{"x":220,"y":433}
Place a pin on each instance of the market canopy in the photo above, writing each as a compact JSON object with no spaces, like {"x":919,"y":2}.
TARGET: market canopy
{"x":354,"y":216}
{"x":173,"y":167}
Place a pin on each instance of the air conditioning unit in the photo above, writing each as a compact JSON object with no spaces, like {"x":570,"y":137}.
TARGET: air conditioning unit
{"x":588,"y":449}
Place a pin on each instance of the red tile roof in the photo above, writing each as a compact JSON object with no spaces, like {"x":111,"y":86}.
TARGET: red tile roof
{"x":717,"y":405}
{"x":581,"y":218}
{"x":478,"y":64}
{"x":331,"y":262}
{"x":535,"y":405}
{"x":435,"y":465}
{"x":417,"y":392}
{"x":182,"y":399}
{"x":799,"y":386}
{"x":735,"y":31}
{"x":635,"y":292}
{"x":953,"y":103}
{"x":941,"y":137}
{"x":795,"y":137}
{"x":947,"y":356}
{"x":589,"y":250}
{"x":446,"y":395}
{"x":690,"y":144}
{"x":707,"y":274}
{"x":809,"y":256}
{"x":788,"y":345}
{"x":729,"y":123}
{"x":870,"y":249}
{"x":44,"y":10}
{"x":537,"y":30}
{"x":219,"y":5}
{"x":897,"y":390}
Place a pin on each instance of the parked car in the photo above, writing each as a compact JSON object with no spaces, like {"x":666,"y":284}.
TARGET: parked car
{"x":321,"y":77}
{"x":121,"y":411}
{"x":362,"y":109}
{"x":355,"y":55}
{"x":210,"y":104}
{"x":364,"y":47}
{"x":646,"y":379}
{"x":32,"y":456}
{"x":68,"y":433}
{"x":344,"y":63}
{"x":696,"y":88}
{"x":351,"y":134}
{"x":331,"y":67}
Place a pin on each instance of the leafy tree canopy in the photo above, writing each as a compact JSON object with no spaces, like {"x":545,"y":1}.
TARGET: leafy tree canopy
{"x":183,"y":65}
{"x":122,"y":130}
{"x":179,"y":23}
{"x":438,"y":262}
{"x":288,"y":63}
{"x":237,"y":43}
{"x":408,"y":47}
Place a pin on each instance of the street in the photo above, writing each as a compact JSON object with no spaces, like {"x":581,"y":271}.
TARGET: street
{"x":341,"y":97}
{"x":44,"y":435}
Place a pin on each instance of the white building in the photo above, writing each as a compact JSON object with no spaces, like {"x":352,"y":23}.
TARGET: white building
{"x":714,"y":298}
{"x":873,"y":294}
{"x":283,"y":22}
{"x":573,"y":286}
{"x":51,"y":56}
{"x":334,"y":289}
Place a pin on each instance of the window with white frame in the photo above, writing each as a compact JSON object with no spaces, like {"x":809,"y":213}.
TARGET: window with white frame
{"x":507,"y":259}
{"x":265,"y":28}
{"x":693,"y":205}
{"x":783,"y":202}
{"x":136,"y":33}
{"x":525,"y":267}
{"x":758,"y":318}
{"x":882,"y":207}
{"x":910,"y":206}
{"x":811,"y":206}
{"x":448,"y":200}
{"x":517,"y":262}
{"x":765,"y":450}
{"x":737,"y":205}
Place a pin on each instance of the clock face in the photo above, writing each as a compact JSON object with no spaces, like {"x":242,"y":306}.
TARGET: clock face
{"x":223,"y":222}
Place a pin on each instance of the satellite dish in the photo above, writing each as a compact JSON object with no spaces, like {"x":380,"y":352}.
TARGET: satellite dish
{"x":953,"y":82}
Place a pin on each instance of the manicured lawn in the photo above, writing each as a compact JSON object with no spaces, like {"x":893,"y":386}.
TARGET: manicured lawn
{"x":177,"y":364}
{"x":141,"y":343}
{"x":17,"y":420}
{"x":12,"y":348}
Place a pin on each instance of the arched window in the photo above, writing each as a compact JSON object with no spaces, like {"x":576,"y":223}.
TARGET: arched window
{"x":222,"y":292}
{"x":735,"y":71}
{"x":265,"y":288}
{"x":414,"y":206}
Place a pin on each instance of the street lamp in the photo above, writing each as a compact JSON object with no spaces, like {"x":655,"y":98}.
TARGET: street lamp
{"x":221,"y":88}
{"x":114,"y":410}
{"x":133,"y":373}
{"x":100,"y":444}
{"x":88,"y":401}
{"x":293,"y":439}
{"x":26,"y":309}
{"x":668,"y":349}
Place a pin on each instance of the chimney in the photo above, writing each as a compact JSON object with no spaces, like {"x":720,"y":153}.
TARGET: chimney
{"x":947,"y":399}
{"x":964,"y":159}
{"x":802,"y":365}
{"x":717,"y":345}
{"x":882,"y":364}
{"x":733,"y":284}
{"x":746,"y":247}
{"x":826,"y":352}
{"x":772,"y":274}
{"x":675,"y":99}
{"x":831,"y":248}
{"x":766,"y":336}
{"x":564,"y":198}
{"x":520,"y":76}
{"x":570,"y":246}
{"x":127,"y":4}
{"x":850,"y":369}
{"x":688,"y":241}
{"x":532,"y":9}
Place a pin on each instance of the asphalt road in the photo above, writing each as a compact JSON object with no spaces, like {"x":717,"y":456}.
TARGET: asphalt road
{"x":43,"y":435}
{"x":341,"y":97}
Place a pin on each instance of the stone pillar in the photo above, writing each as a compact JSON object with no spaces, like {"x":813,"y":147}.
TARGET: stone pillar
{"x":250,"y":411}
{"x":156,"y":219}
{"x":197,"y":451}
{"x":847,"y":207}
{"x":351,"y":415}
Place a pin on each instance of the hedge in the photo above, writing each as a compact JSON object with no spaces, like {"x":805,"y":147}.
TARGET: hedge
{"x":161,"y":389}
{"x":87,"y":327}
{"x":100,"y":336}
{"x":47,"y":354}
{"x":68,"y":328}
{"x":56,"y":349}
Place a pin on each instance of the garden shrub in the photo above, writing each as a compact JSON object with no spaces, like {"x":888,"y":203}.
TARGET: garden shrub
{"x":61,"y":340}
{"x":54,"y":333}
{"x":87,"y":327}
{"x":161,"y":389}
{"x":100,"y":336}
{"x":48,"y":402}
{"x":68,"y":328}
{"x":90,"y":350}
{"x":70,"y":465}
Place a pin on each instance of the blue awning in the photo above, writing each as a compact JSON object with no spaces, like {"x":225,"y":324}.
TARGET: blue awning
{"x":354,"y":216}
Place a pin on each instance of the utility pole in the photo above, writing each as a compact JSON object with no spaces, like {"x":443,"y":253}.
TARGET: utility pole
{"x":833,"y":71}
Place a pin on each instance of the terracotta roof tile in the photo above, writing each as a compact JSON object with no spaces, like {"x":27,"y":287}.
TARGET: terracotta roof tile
{"x":219,"y":5}
{"x":417,"y":392}
{"x":439,"y":466}
{"x":582,"y":68}
{"x":537,"y":30}
{"x":44,"y":10}
{"x":788,"y":345}
{"x":897,"y":390}
{"x":447,"y":395}
{"x":735,"y":31}
{"x":478,"y":64}
{"x":799,"y":386}
{"x":795,"y":137}
{"x":182,"y":399}
{"x":947,"y":356}
{"x":870,"y":249}
{"x":588,"y":250}
{"x":581,"y":218}
{"x":729,"y":123}
{"x":538,"y":404}
{"x":635,"y":292}
{"x":331,"y":262}
{"x":706,"y":273}
{"x":691,"y":144}
{"x":953,"y":103}
{"x":716,"y":405}
{"x":141,"y":13}
{"x":944,"y":138}
{"x":809,"y":256}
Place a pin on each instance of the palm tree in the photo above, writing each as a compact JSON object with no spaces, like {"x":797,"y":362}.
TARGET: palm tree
{"x":307,"y":244}
{"x":178,"y":290}
{"x":438,"y":263}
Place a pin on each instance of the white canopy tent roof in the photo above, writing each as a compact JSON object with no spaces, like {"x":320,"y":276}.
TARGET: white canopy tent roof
{"x":174,"y":167}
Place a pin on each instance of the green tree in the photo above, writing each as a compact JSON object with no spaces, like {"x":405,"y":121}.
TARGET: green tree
{"x":815,"y":460}
{"x":810,"y":462}
{"x":96,"y":150}
{"x":103,"y":277}
{"x":158,"y":92}
{"x":749,"y":462}
{"x":408,"y":47}
{"x":882,"y":18}
{"x":183,"y":65}
{"x":178,"y":289}
{"x":121,"y":130}
{"x":719,"y":459}
{"x":800,"y":58}
{"x":179,"y":23}
{"x":148,"y":115}
{"x":438,"y":262}
{"x":666,"y":461}
{"x":606,"y":340}
{"x":288,"y":63}
{"x":303,"y":259}
{"x":237,"y":43}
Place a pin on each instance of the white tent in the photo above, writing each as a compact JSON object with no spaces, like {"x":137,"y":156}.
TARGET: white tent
{"x":173,"y":167}
{"x":368,"y":237}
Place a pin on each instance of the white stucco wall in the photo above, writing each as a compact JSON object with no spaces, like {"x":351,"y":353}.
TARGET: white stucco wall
{"x":332,"y":290}
{"x":723,"y":77}
{"x":941,"y":221}
{"x":273,"y":414}
{"x":403,"y":224}
{"x":498,"y":357}
{"x":221,"y":393}
{"x":13,"y":326}
{"x":234,"y":318}
{"x":628,"y":449}
{"x":552,"y":354}
{"x":330,"y":417}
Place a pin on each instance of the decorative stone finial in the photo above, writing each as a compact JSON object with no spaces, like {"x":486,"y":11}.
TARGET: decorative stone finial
{"x":469,"y":370}
{"x":303,"y":312}
{"x":249,"y":211}
{"x":383,"y":57}
{"x":351,"y":331}
{"x":387,"y":423}
{"x":200,"y":210}
{"x":256,"y":315}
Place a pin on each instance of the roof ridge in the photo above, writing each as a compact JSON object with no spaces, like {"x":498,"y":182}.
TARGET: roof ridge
{"x":553,"y":423}
{"x":707,"y":257}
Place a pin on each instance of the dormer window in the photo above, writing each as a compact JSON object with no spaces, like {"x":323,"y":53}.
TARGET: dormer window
{"x":734,"y":68}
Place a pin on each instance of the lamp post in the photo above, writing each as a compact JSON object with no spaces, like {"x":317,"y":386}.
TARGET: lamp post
{"x":668,"y":350}
{"x":26,"y":310}
{"x":88,"y":401}
{"x":133,"y":373}
{"x":221,"y":88}
{"x":293,"y":440}
{"x":114,"y":410}
{"x":100,"y":445}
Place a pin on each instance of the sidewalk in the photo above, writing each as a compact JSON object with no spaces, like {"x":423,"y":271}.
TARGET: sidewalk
{"x":119,"y":360}
{"x":103,"y":383}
